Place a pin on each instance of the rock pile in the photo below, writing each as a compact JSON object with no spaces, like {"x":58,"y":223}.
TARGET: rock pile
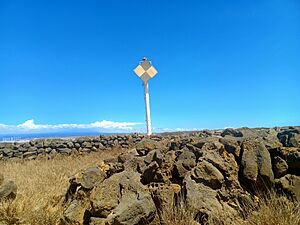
{"x":8,"y":189}
{"x":210,"y":172}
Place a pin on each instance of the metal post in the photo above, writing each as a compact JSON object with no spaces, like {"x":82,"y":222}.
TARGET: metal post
{"x":147,"y":104}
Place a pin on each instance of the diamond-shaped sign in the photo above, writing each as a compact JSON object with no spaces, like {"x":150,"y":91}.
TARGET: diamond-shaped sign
{"x":145,"y":70}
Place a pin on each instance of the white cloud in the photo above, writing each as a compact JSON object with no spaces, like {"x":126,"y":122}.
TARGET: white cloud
{"x":30,"y":126}
{"x":103,"y":126}
{"x":161,"y":130}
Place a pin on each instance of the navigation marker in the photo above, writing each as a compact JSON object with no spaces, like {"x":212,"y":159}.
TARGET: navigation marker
{"x":146,"y":71}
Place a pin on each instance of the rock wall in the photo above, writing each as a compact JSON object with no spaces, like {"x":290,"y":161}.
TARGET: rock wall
{"x":42,"y":147}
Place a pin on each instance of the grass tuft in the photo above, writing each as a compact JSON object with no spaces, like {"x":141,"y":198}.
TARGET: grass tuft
{"x":274,"y":210}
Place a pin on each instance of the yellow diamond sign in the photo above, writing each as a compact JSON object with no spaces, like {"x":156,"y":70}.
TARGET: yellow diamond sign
{"x":145,"y":70}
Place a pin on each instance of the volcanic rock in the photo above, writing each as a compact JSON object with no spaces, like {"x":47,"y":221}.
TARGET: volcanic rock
{"x":256,"y":164}
{"x":8,"y":190}
{"x":122,"y":199}
{"x":290,"y":184}
{"x":280,"y":167}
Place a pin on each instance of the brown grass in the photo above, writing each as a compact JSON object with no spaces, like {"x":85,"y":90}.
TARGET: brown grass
{"x":41,"y":186}
{"x":274,"y":210}
{"x":178,"y":215}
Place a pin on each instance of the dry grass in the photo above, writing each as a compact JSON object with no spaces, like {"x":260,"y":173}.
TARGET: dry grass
{"x":178,"y":215}
{"x":275,"y":210}
{"x":272,"y":210}
{"x":41,"y":186}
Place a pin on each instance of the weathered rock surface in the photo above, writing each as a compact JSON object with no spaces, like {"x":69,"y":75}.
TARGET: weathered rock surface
{"x":280,"y":167}
{"x":290,"y":184}
{"x":122,"y":199}
{"x":207,"y":174}
{"x":231,"y":145}
{"x":256,"y":167}
{"x":290,"y":137}
{"x":201,"y":198}
{"x":225,"y":162}
{"x":164,"y":197}
{"x":8,"y":190}
{"x":75,"y":213}
{"x":185,"y":161}
{"x":231,"y":132}
{"x":271,"y":141}
{"x":292,"y":157}
{"x":77,"y":196}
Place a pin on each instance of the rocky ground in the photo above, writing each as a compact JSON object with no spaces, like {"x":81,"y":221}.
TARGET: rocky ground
{"x":210,"y":172}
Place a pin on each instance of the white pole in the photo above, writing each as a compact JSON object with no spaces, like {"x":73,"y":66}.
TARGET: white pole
{"x":147,"y":104}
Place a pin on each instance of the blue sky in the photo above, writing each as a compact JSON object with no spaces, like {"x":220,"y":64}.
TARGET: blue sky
{"x":220,"y":63}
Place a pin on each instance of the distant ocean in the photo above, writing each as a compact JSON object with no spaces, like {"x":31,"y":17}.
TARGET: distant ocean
{"x":25,"y":137}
